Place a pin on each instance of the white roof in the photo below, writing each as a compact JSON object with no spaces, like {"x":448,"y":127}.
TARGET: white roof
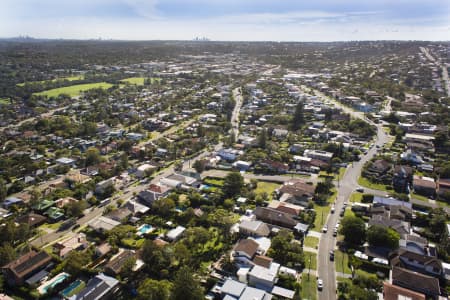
{"x":103,"y":223}
{"x":175,"y":233}
{"x":279,"y":291}
{"x":233,"y":287}
{"x":263,"y":273}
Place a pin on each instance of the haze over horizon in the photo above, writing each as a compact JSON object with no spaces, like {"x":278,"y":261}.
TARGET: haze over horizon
{"x":250,"y":20}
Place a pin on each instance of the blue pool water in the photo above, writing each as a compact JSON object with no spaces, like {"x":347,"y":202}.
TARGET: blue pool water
{"x":55,"y":282}
{"x":145,"y":228}
{"x":71,"y":287}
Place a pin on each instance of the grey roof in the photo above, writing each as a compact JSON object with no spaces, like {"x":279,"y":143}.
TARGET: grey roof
{"x":390,"y":201}
{"x":96,"y":288}
{"x":233,"y":288}
{"x":279,"y":291}
{"x":251,"y":293}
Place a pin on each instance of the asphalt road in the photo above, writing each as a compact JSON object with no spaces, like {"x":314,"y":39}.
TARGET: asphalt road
{"x":235,"y":115}
{"x":345,"y":187}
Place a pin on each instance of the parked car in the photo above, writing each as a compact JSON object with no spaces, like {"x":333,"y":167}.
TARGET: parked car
{"x":325,"y":228}
{"x":319,"y":284}
{"x":360,"y":190}
{"x":331,"y":255}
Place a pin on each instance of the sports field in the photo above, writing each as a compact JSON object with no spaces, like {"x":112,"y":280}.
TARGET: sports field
{"x":74,"y":90}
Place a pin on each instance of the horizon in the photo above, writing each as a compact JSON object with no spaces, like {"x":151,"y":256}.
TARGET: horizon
{"x":232,"y":20}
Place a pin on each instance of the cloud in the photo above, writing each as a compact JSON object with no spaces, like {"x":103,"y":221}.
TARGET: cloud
{"x":144,"y":8}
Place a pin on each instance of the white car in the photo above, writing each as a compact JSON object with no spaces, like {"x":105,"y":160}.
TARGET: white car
{"x":325,"y":228}
{"x":319,"y":284}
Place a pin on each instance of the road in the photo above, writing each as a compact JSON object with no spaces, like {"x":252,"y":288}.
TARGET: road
{"x":237,"y":95}
{"x":345,"y":187}
{"x":445,"y":78}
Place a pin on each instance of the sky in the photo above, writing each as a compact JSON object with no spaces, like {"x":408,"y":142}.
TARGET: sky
{"x":227,"y":20}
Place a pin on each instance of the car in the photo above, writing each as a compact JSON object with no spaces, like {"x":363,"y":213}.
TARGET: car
{"x":335,"y":232}
{"x":331,"y":255}
{"x":319,"y":284}
{"x":332,"y":209}
{"x":360,"y":190}
{"x":325,"y":228}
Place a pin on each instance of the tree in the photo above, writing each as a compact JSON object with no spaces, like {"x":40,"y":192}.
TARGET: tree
{"x":75,"y":209}
{"x":199,"y":165}
{"x":286,"y":252}
{"x":93,"y":156}
{"x":299,"y":118}
{"x":3,"y":190}
{"x":262,"y":138}
{"x":383,"y":237}
{"x":7,"y":254}
{"x":354,"y":230}
{"x":127,"y":268}
{"x":75,"y":262}
{"x":151,"y":289}
{"x":185,"y":286}
{"x":232,"y":185}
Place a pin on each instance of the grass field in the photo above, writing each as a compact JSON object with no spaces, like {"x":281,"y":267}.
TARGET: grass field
{"x":356,"y":197}
{"x":311,"y":241}
{"x":309,"y":287}
{"x":71,"y":78}
{"x":341,"y":262}
{"x":4,"y":101}
{"x":139,"y":80}
{"x":368,"y":184}
{"x":313,"y":256}
{"x":74,"y":90}
{"x":267,"y":187}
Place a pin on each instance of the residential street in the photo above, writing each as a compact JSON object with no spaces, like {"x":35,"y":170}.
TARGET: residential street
{"x":345,"y":187}
{"x":237,"y":95}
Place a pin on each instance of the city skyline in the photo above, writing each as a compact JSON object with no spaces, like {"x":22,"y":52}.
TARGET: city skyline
{"x":322,"y":20}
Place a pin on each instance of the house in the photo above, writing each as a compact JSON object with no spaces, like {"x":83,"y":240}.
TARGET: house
{"x":103,"y":186}
{"x":274,"y":217}
{"x":410,"y":260}
{"x":175,"y":234}
{"x":136,"y":208}
{"x":153,"y":193}
{"x":103,"y":249}
{"x":263,"y":278}
{"x":31,"y":219}
{"x":61,"y":202}
{"x":296,"y":192}
{"x":401,"y":227}
{"x":394,"y":292}
{"x":43,"y":205}
{"x":402,"y":178}
{"x":115,"y":265}
{"x":318,"y":154}
{"x":54,"y":214}
{"x":283,"y":293}
{"x":415,"y":281}
{"x":102,"y":223}
{"x":65,"y":161}
{"x":443,"y":187}
{"x":77,"y":242}
{"x":144,"y":170}
{"x":235,"y":290}
{"x":379,"y":169}
{"x":101,"y":287}
{"x":10,"y":201}
{"x":242,"y":165}
{"x":254,"y":228}
{"x":229,"y":155}
{"x":244,"y":251}
{"x":286,"y":207}
{"x":274,"y":166}
{"x":424,"y":185}
{"x":17,"y":271}
{"x":120,"y":215}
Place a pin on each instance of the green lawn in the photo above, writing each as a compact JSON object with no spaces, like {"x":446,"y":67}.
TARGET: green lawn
{"x":4,"y":101}
{"x":356,"y":197}
{"x":341,"y":262}
{"x":266,"y":187}
{"x":74,"y":90}
{"x":419,"y":197}
{"x":78,"y":289}
{"x":311,"y":241}
{"x":309,"y":287}
{"x":322,"y":211}
{"x":53,"y":226}
{"x":134,"y":80}
{"x":313,"y":256}
{"x":139,"y":80}
{"x":213,"y":181}
{"x":368,"y":184}
{"x":71,"y":78}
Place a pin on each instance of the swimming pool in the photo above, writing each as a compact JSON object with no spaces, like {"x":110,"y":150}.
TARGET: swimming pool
{"x":67,"y":291}
{"x":52,"y":283}
{"x":143,"y":229}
